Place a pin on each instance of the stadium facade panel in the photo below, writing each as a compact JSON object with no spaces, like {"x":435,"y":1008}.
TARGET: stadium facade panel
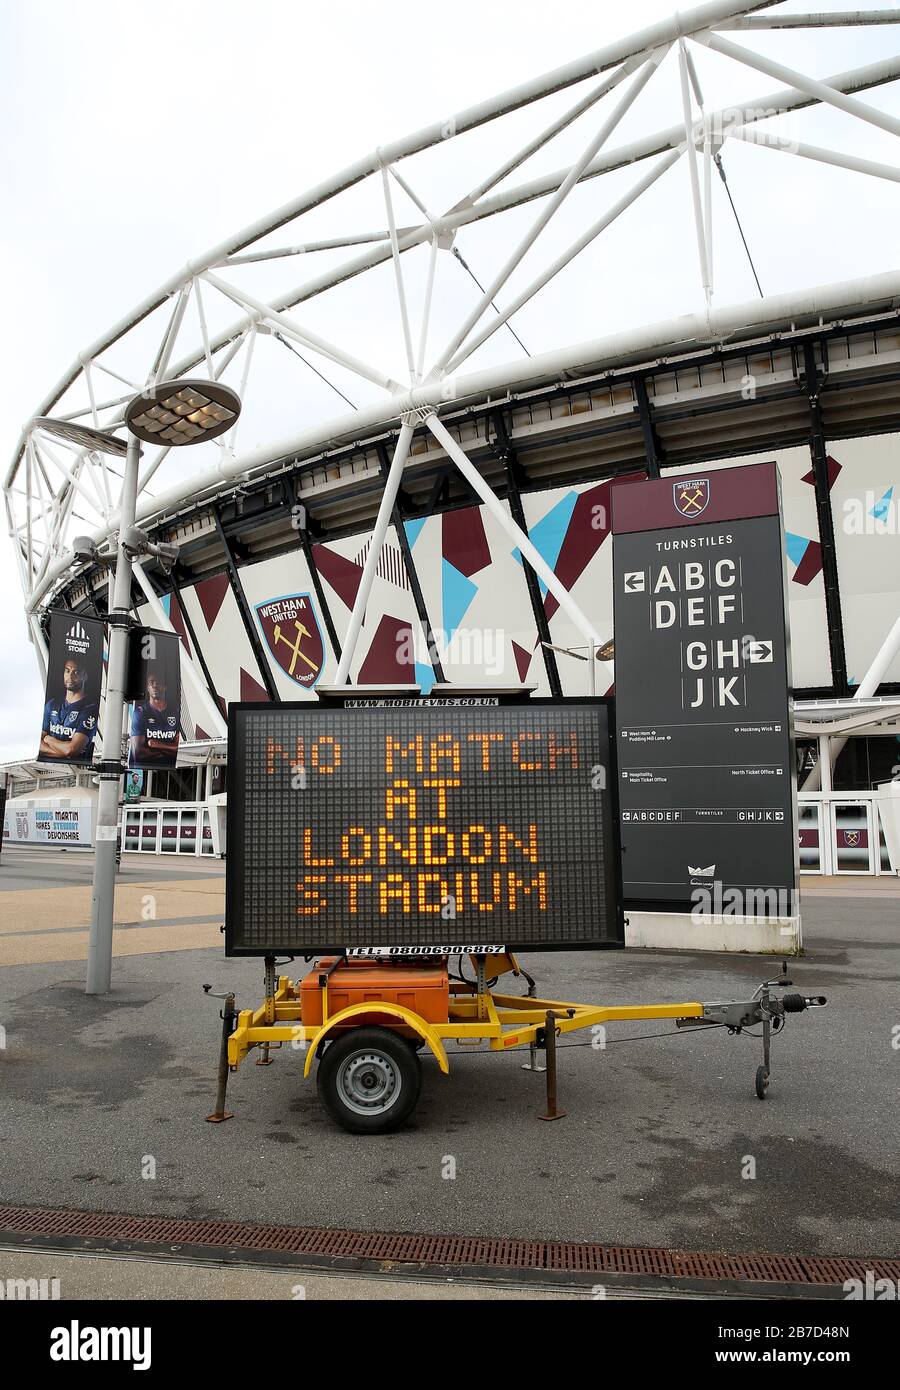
{"x":452,"y":599}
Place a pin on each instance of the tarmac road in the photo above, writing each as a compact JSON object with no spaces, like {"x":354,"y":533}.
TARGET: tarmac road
{"x":657,"y":1147}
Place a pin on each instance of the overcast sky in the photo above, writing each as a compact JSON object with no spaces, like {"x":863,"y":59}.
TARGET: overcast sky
{"x":134,"y":136}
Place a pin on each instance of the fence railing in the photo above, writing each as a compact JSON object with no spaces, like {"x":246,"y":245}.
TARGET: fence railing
{"x":848,"y":833}
{"x":189,"y":827}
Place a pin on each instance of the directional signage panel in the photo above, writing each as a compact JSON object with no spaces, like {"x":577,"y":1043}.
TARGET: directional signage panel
{"x":706,"y":774}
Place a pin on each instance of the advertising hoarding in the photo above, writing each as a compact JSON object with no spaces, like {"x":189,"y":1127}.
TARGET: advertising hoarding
{"x":66,"y":826}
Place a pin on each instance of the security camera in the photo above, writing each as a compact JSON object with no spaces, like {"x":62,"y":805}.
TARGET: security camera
{"x":134,"y":542}
{"x":166,"y":554}
{"x":83,"y":548}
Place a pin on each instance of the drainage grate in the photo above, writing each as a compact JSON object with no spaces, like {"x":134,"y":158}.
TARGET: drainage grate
{"x":461,"y":1251}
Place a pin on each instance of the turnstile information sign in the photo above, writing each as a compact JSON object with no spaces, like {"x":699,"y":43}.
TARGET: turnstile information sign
{"x":707,"y":785}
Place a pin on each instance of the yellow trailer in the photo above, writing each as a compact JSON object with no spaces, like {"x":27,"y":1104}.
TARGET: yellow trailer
{"x":369,"y":1073}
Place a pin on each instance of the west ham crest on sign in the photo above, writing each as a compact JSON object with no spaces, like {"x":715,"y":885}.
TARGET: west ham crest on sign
{"x":691,"y":496}
{"x":292,"y":634}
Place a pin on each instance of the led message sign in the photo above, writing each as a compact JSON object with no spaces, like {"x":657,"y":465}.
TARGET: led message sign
{"x":420,"y":827}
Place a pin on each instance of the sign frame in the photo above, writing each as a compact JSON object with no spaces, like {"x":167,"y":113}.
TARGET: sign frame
{"x":234,"y":861}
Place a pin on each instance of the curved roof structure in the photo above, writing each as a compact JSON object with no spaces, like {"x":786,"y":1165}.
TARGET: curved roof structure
{"x":387,"y":322}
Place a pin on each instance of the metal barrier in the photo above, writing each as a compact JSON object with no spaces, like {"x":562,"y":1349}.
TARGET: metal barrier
{"x":845,"y":833}
{"x":840,"y":832}
{"x":170,"y":828}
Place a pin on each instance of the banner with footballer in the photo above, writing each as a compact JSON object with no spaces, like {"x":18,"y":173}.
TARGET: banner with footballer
{"x":154,"y":685}
{"x":72,"y":696}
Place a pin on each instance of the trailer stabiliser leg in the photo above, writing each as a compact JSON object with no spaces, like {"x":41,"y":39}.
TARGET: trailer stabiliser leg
{"x":762,"y":1073}
{"x":532,"y":1064}
{"x":549,"y":1043}
{"x":228,"y":1016}
{"x":264,"y":1060}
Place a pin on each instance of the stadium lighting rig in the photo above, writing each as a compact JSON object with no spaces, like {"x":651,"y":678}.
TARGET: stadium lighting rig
{"x":183,"y":412}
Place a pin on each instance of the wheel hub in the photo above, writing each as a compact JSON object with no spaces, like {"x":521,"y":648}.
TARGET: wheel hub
{"x":369,"y":1082}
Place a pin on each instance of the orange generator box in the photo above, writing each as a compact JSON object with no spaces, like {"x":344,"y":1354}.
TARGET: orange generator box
{"x":423,"y":987}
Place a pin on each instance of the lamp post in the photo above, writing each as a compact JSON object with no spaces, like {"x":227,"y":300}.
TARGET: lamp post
{"x":173,"y":414}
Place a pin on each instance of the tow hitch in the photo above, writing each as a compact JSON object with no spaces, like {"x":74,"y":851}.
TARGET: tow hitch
{"x":766,"y":1008}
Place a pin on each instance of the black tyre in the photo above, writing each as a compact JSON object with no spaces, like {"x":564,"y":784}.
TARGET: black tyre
{"x":369,"y":1080}
{"x":762,"y":1082}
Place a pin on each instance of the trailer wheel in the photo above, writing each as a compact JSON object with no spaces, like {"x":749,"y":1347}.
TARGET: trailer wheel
{"x":762,"y":1082}
{"x":369,"y":1080}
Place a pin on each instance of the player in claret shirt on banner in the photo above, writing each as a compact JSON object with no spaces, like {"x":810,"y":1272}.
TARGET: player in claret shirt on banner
{"x":70,"y":724}
{"x":154,"y":726}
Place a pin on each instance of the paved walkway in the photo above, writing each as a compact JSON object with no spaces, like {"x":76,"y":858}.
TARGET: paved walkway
{"x":45,"y":905}
{"x":850,"y":886}
{"x":135,"y":1277}
{"x":177,"y":903}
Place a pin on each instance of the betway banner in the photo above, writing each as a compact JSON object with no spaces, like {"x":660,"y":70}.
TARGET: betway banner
{"x":706,"y":775}
{"x":154,"y":685}
{"x":72,"y":697}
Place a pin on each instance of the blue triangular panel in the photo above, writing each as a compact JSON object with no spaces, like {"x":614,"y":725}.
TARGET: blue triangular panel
{"x":457,"y":592}
{"x":166,"y":601}
{"x":795,"y":546}
{"x":549,"y":533}
{"x":424,"y":677}
{"x":882,"y":506}
{"x":412,"y":530}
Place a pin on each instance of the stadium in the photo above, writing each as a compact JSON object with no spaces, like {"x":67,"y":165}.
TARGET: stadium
{"x":415,"y":475}
{"x":459,"y":604}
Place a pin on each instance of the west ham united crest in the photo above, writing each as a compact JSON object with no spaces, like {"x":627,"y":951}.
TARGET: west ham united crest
{"x":292,"y":634}
{"x":691,"y":496}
